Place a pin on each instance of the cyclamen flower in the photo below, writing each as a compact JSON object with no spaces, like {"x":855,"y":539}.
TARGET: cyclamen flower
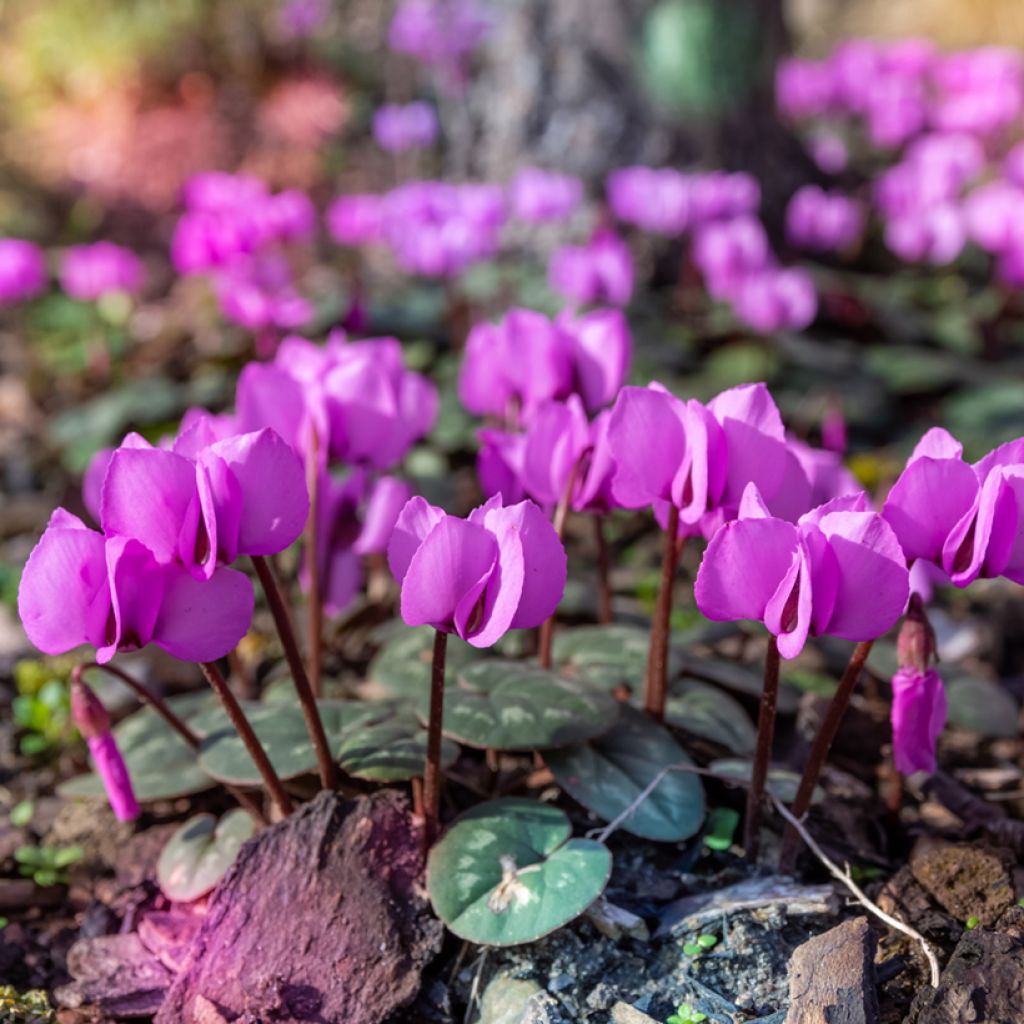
{"x":966,"y":519}
{"x":919,"y":709}
{"x":839,"y":571}
{"x":80,"y":587}
{"x":720,"y":195}
{"x":88,"y":272}
{"x":356,"y":219}
{"x":824,"y":222}
{"x":242,"y":496}
{"x":501,"y":568}
{"x":653,"y":199}
{"x":399,"y":128}
{"x":600,"y":271}
{"x":541,"y":197}
{"x":803,"y":88}
{"x":936,"y":235}
{"x":601,"y":349}
{"x":22,"y":270}
{"x":728,"y":252}
{"x":93,"y":722}
{"x":777,"y":299}
{"x":258,"y":293}
{"x":499,"y":464}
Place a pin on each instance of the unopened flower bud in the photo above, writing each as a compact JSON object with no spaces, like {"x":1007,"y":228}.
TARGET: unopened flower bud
{"x":919,"y":709}
{"x":87,"y":711}
{"x":915,"y":645}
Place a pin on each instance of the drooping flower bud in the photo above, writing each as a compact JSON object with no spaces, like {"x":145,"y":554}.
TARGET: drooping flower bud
{"x":90,"y":716}
{"x":918,"y":715}
{"x":915,"y":645}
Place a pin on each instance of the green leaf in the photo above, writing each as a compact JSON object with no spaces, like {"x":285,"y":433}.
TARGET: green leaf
{"x":981,"y":705}
{"x":607,"y":776}
{"x":738,"y":678}
{"x":402,"y":666}
{"x":199,"y":854}
{"x":707,"y":712}
{"x":160,"y":763}
{"x":722,"y":822}
{"x":21,"y":813}
{"x":391,"y":750}
{"x":507,"y":705}
{"x":507,"y":872}
{"x":707,"y":941}
{"x":782,"y":783}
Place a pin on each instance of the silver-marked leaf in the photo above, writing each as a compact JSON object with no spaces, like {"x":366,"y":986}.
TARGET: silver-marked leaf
{"x":160,"y":763}
{"x":402,"y":666}
{"x":518,"y":707}
{"x":982,"y":706}
{"x":782,"y":783}
{"x":199,"y":854}
{"x":608,"y":775}
{"x":711,"y":714}
{"x":391,"y":750}
{"x":736,"y":677}
{"x":506,"y":872}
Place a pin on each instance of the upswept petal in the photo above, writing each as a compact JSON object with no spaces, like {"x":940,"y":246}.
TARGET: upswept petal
{"x":594,"y":491}
{"x":788,"y":615}
{"x":558,"y":435}
{"x":414,"y":523}
{"x":602,"y":349}
{"x":267,"y":396}
{"x":937,"y":443}
{"x":388,"y":497}
{"x":484,"y":620}
{"x":483,"y":387}
{"x":137,"y":584}
{"x":1014,"y":568}
{"x":499,"y":464}
{"x":984,"y":537}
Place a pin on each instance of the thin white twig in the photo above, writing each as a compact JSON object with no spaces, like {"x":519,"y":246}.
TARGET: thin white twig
{"x":844,"y":876}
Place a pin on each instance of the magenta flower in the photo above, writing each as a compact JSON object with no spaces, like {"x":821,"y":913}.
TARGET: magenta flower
{"x":602,"y":349}
{"x":257,"y":293}
{"x":502,"y":568}
{"x":727,"y":252}
{"x":825,"y":472}
{"x":822,"y":221}
{"x":288,"y":216}
{"x":242,"y":496}
{"x":80,"y":587}
{"x":839,"y":571}
{"x":653,"y":199}
{"x":556,"y":440}
{"x":23,"y":272}
{"x":499,"y":464}
{"x":356,"y":219}
{"x":440,"y":33}
{"x":964,"y":518}
{"x":219,"y":190}
{"x":935,"y":235}
{"x":399,"y":128}
{"x":543,"y":197}
{"x":776,"y":299}
{"x":600,"y":271}
{"x":719,"y":195}
{"x":93,"y":722}
{"x":88,"y":272}
{"x":803,"y":88}
{"x":919,"y":710}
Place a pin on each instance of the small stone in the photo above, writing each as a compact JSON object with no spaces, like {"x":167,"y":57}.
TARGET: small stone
{"x":560,"y":982}
{"x":623,"y":1013}
{"x":614,"y":922}
{"x":509,"y":1000}
{"x":601,"y":997}
{"x":831,"y":978}
{"x":965,"y":880}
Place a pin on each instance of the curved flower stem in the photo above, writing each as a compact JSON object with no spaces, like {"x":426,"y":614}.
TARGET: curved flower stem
{"x":657,"y":655}
{"x":820,"y":748}
{"x":432,"y":769}
{"x":604,"y":591}
{"x":316,"y":607}
{"x":325,"y":763}
{"x":763,"y":753}
{"x":547,"y":629}
{"x":249,"y":738}
{"x":146,"y":695}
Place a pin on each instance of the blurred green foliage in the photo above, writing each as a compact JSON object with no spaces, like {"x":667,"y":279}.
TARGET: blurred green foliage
{"x":42,"y":707}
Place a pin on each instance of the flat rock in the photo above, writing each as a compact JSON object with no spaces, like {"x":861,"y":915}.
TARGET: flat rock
{"x":831,"y":977}
{"x":321,"y":918}
{"x":965,"y":880}
{"x":508,"y":1000}
{"x":623,"y":1013}
{"x":116,"y":975}
{"x":983,"y":982}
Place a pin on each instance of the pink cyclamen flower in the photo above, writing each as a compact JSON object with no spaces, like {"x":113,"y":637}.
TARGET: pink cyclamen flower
{"x":838,"y":571}
{"x":776,"y":299}
{"x":356,"y":219}
{"x":966,"y":519}
{"x":543,"y":197}
{"x":601,"y":349}
{"x":22,"y":270}
{"x":652,"y":199}
{"x":822,"y":221}
{"x":399,"y":128}
{"x":245,"y":495}
{"x":88,"y":272}
{"x":80,"y":587}
{"x":919,"y":709}
{"x":720,"y":195}
{"x":600,"y":271}
{"x":727,"y":252}
{"x":499,"y":464}
{"x":93,"y":722}
{"x":803,"y":88}
{"x":934,"y":235}
{"x":502,"y":568}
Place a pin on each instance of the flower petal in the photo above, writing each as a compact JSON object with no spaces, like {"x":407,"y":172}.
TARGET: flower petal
{"x":387,"y":499}
{"x":414,"y":524}
{"x":136,"y":591}
{"x":919,"y":708}
{"x":484,"y":625}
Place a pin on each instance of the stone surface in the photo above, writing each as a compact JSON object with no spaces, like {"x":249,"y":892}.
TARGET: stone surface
{"x":321,"y":918}
{"x":623,"y":1013}
{"x":508,"y":1000}
{"x":116,"y":975}
{"x":965,"y":880}
{"x":983,"y":982}
{"x":831,"y":978}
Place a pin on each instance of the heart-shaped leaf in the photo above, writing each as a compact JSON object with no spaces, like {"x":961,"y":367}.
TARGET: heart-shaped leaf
{"x":281,"y":729}
{"x":390,"y":750}
{"x":982,"y":706}
{"x":707,"y":712}
{"x":737,"y":678}
{"x":199,"y":854}
{"x":504,"y":705}
{"x":160,"y":763}
{"x":782,"y":783}
{"x":506,"y":872}
{"x":609,"y":774}
{"x":402,"y":666}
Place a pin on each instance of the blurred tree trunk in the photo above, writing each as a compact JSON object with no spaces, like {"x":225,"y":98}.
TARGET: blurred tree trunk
{"x":589,"y":85}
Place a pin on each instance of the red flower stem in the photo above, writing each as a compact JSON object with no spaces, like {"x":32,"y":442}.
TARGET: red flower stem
{"x":316,"y":607}
{"x":604,"y":590}
{"x":657,"y":656}
{"x":432,"y":769}
{"x":763,"y":752}
{"x":820,"y":748}
{"x":325,"y":762}
{"x":160,"y":707}
{"x":249,"y":738}
{"x":547,"y":629}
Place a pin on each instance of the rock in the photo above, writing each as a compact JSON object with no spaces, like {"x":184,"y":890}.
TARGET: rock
{"x":832,"y":979}
{"x":904,"y":897}
{"x":983,"y":982}
{"x":623,"y":1013}
{"x":508,"y":1000}
{"x":321,"y":918}
{"x":615,"y":921}
{"x":965,"y":880}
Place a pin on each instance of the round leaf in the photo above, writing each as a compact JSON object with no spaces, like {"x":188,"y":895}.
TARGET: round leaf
{"x":391,"y":750}
{"x":707,"y":712}
{"x":781,"y":783}
{"x":506,"y":872}
{"x":402,"y":666}
{"x":982,"y":706}
{"x":607,"y":776}
{"x":737,"y":678}
{"x":509,"y":706}
{"x":199,"y":854}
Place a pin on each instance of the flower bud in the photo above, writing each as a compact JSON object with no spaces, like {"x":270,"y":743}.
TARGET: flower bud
{"x":87,"y":711}
{"x":915,"y":645}
{"x":918,"y":715}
